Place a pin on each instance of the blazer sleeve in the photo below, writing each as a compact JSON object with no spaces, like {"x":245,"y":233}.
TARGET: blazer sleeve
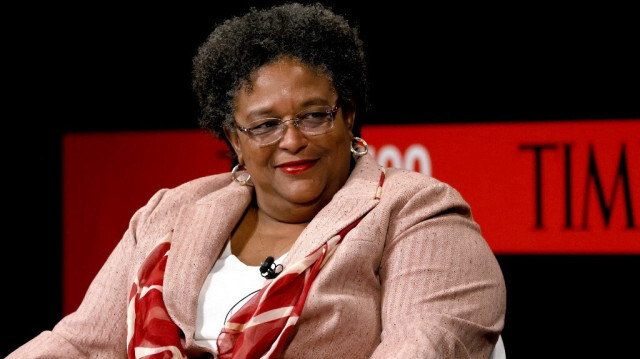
{"x":97,"y":329}
{"x":443,"y":293}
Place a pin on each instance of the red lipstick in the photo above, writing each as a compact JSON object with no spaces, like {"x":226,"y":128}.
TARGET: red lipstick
{"x":296,"y":167}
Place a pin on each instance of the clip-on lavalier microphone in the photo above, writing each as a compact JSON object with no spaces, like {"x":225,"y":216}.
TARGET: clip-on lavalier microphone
{"x":269,"y":269}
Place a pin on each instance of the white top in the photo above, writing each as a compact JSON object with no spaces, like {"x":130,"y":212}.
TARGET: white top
{"x":222,"y":293}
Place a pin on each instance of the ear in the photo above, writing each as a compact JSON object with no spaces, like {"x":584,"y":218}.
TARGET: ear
{"x":232,"y":137}
{"x":349,"y":114}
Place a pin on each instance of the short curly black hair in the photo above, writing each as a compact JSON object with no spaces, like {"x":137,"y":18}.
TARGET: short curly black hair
{"x":311,"y":33}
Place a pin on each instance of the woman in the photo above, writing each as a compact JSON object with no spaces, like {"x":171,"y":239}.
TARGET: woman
{"x":362,"y":261}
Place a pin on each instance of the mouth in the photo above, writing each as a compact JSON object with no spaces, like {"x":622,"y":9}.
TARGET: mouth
{"x":296,"y":167}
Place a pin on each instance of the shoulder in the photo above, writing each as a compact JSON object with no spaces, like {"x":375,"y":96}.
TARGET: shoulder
{"x":165,"y":203}
{"x":198,"y":188}
{"x":405,"y":178}
{"x":193,"y":190}
{"x":411,"y":199}
{"x":404,"y":186}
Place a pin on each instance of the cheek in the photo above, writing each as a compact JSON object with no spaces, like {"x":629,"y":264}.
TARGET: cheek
{"x":341,"y":142}
{"x":339,"y":151}
{"x":255,"y":159}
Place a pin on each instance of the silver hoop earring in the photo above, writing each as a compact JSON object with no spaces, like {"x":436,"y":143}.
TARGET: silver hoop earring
{"x":243,"y":179}
{"x":359,"y":147}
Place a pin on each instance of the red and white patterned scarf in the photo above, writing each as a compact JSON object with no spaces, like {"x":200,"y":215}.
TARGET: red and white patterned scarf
{"x":260,"y":329}
{"x":150,"y":331}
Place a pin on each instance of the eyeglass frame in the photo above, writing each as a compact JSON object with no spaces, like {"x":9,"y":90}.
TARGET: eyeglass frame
{"x":296,"y":123}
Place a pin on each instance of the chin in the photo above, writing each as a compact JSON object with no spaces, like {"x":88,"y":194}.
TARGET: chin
{"x":303,"y":199}
{"x":304,"y":195}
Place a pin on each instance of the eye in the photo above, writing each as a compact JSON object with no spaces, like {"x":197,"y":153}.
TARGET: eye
{"x":316,"y":115}
{"x":320,"y":113}
{"x":264,"y":126}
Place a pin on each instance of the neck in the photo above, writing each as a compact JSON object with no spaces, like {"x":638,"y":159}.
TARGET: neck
{"x":259,"y":235}
{"x":268,"y":218}
{"x":290,"y":213}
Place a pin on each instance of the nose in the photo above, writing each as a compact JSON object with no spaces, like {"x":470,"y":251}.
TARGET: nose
{"x":293,"y":140}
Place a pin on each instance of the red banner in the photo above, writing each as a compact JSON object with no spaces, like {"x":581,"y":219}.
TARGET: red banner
{"x":551,"y":187}
{"x":542,"y":187}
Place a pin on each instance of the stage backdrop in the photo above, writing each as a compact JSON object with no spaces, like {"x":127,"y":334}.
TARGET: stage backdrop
{"x":534,"y":187}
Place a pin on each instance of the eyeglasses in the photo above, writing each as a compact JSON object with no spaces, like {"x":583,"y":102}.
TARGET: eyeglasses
{"x":313,"y":120}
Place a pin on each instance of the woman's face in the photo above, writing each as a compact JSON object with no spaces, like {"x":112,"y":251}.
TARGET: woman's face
{"x":297,"y":175}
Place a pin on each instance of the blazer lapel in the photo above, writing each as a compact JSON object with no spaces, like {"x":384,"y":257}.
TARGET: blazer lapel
{"x":201,"y":231}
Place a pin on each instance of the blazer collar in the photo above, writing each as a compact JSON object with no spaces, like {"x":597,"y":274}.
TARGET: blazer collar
{"x":202,"y":229}
{"x":200,"y":233}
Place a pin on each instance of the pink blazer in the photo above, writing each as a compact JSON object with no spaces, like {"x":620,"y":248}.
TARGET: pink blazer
{"x":414,"y":279}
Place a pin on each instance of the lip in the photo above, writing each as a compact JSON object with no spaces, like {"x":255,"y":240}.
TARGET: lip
{"x":296,"y":167}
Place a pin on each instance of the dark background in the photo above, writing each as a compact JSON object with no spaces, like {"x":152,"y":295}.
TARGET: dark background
{"x":121,"y":67}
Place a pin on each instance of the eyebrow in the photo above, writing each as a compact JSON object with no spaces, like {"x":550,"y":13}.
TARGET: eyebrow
{"x":269,"y":113}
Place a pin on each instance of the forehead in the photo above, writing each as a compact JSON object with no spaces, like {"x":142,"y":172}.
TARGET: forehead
{"x":286,"y":81}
